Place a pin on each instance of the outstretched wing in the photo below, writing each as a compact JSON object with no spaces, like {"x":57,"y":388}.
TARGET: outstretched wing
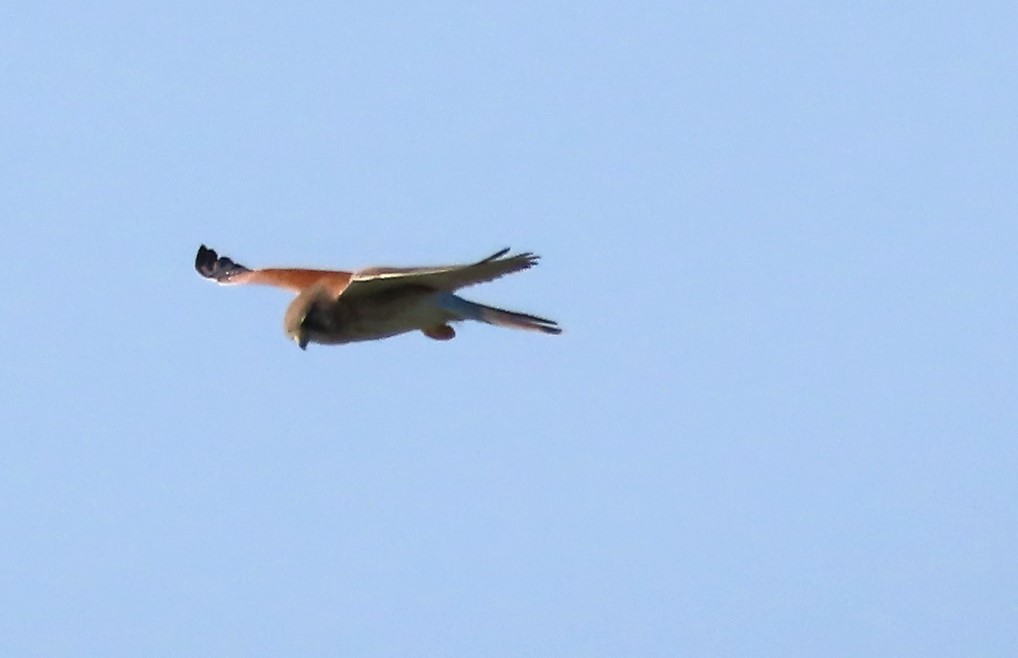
{"x":448,"y":277}
{"x":225,"y":271}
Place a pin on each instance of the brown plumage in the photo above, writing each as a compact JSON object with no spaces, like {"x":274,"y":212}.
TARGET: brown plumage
{"x":334,"y":307}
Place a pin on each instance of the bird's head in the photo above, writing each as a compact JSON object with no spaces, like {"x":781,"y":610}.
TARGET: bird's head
{"x":306,"y":312}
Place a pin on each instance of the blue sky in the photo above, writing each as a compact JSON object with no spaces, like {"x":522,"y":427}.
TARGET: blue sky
{"x":781,"y":239}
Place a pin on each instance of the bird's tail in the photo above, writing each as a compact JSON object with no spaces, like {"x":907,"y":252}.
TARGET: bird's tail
{"x":467,"y":310}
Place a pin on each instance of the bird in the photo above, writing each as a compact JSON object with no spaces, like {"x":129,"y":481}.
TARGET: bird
{"x":334,"y":307}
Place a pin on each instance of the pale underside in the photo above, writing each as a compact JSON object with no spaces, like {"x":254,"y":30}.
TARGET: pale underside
{"x":377,"y":316}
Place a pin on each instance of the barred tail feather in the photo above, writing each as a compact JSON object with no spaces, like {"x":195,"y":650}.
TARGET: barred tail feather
{"x":467,"y":310}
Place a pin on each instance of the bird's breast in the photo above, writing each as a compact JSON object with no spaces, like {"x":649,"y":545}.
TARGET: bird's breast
{"x":370,"y":317}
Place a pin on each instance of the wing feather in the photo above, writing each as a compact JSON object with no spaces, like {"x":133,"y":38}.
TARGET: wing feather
{"x":225,"y":271}
{"x":447,"y":278}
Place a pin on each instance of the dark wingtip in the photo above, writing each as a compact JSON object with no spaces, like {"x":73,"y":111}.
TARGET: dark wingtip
{"x":494,"y":256}
{"x":211,"y":266}
{"x":205,"y":261}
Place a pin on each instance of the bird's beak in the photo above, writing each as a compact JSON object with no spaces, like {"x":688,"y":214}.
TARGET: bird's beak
{"x":301,"y":340}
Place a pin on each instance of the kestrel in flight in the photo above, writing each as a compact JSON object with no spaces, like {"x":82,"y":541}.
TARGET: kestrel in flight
{"x":334,"y":307}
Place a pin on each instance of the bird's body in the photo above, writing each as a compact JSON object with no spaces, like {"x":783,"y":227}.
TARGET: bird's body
{"x":383,"y":315}
{"x":335,"y":307}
